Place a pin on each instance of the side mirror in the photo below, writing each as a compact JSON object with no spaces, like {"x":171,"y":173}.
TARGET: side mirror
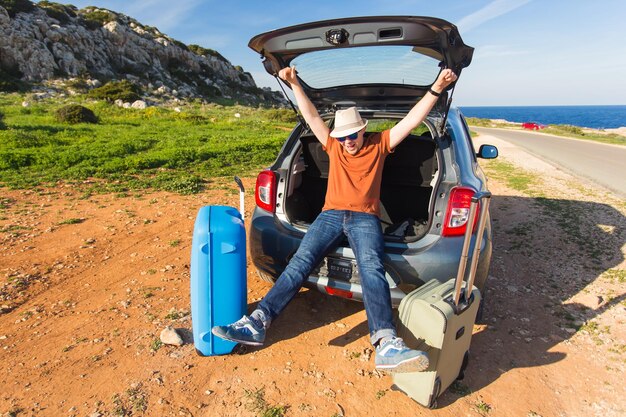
{"x":487,"y":152}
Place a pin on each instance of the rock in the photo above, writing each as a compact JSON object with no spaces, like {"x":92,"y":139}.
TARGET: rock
{"x":169,"y":336}
{"x":139,"y":104}
{"x":41,"y":49}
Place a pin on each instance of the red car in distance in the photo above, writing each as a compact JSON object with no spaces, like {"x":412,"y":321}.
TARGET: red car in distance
{"x":532,"y":126}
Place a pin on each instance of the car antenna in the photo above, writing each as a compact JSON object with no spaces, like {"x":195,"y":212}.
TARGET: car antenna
{"x":298,"y":116}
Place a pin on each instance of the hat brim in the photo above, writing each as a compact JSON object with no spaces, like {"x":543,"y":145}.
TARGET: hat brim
{"x":342,"y":131}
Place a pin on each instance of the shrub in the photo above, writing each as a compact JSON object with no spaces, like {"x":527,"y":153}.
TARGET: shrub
{"x":281,"y":115}
{"x":96,"y":18}
{"x":569,"y":129}
{"x":16,"y":6}
{"x":179,"y":44}
{"x":199,"y":50}
{"x":57,"y":11}
{"x":185,"y":185}
{"x":75,"y":113}
{"x":79,"y":84}
{"x":116,"y":90}
{"x":10,"y":81}
{"x":2,"y":125}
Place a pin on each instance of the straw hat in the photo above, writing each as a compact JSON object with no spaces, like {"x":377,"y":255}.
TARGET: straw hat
{"x":347,"y":122}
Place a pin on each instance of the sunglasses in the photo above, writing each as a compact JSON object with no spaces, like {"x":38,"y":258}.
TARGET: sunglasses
{"x":351,"y":137}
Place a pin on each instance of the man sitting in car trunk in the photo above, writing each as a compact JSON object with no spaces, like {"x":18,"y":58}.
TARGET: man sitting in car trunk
{"x":351,"y":209}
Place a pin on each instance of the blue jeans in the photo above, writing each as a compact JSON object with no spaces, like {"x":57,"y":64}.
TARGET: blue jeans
{"x":325,"y":233}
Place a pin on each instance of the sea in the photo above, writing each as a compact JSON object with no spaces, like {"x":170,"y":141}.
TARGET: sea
{"x":596,"y":117}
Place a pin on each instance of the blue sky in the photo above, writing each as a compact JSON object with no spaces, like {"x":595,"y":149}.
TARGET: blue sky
{"x":527,"y":52}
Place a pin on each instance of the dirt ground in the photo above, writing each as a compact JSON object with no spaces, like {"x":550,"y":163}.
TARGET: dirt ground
{"x":87,"y":283}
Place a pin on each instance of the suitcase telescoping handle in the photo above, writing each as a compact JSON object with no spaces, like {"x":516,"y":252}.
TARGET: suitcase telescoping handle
{"x":485,"y":196}
{"x":241,"y":195}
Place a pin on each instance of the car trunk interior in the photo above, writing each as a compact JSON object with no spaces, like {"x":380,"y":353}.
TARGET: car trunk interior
{"x":407,"y":183}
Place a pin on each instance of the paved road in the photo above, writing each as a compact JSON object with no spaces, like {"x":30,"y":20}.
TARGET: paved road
{"x":599,"y":162}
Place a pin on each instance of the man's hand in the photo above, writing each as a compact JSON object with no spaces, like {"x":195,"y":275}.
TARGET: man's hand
{"x":289,"y":74}
{"x":445,"y":78}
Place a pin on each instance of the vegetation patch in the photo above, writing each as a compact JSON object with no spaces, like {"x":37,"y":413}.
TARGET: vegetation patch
{"x":14,"y":7}
{"x":58,"y":11}
{"x":199,"y":50}
{"x":615,"y":275}
{"x":10,"y":81}
{"x":257,"y":404}
{"x":515,"y":178}
{"x":135,"y":149}
{"x":75,"y":113}
{"x":116,"y":90}
{"x":133,"y":402}
{"x":95,"y":18}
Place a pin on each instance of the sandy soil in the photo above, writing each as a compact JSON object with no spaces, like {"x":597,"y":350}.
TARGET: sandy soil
{"x":87,"y":283}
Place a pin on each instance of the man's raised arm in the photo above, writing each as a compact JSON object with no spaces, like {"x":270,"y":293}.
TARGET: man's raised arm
{"x":308,"y":110}
{"x":419,"y":112}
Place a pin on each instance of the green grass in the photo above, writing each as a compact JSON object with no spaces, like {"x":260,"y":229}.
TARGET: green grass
{"x":256,"y":403}
{"x":615,"y":275}
{"x":558,"y":130}
{"x":483,"y":408}
{"x":514,"y":177}
{"x":132,"y":149}
{"x":72,"y":220}
{"x":155,"y":344}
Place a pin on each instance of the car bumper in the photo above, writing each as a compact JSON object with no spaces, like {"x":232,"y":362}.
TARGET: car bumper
{"x":408,"y":266}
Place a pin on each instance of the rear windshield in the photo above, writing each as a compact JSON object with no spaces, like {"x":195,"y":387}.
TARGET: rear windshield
{"x":392,"y":64}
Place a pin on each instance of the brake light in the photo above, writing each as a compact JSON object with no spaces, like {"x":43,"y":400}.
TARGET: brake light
{"x":457,"y":214}
{"x":339,"y":293}
{"x":265,"y":191}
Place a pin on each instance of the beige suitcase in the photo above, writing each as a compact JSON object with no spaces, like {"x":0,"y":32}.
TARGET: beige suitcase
{"x":438,"y":318}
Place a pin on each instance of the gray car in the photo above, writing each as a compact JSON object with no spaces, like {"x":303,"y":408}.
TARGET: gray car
{"x":382,"y":65}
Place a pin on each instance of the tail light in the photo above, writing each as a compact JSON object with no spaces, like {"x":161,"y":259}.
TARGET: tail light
{"x":457,"y":214}
{"x":265,"y":191}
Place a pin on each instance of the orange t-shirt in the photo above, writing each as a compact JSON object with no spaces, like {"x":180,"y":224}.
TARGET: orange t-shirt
{"x":354,"y":180}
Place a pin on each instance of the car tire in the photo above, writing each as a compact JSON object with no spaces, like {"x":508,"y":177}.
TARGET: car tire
{"x":265,"y":276}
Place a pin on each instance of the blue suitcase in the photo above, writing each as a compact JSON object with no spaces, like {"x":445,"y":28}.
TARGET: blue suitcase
{"x":218,"y":275}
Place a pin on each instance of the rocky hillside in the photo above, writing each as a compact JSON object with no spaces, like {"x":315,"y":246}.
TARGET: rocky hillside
{"x":54,"y":45}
